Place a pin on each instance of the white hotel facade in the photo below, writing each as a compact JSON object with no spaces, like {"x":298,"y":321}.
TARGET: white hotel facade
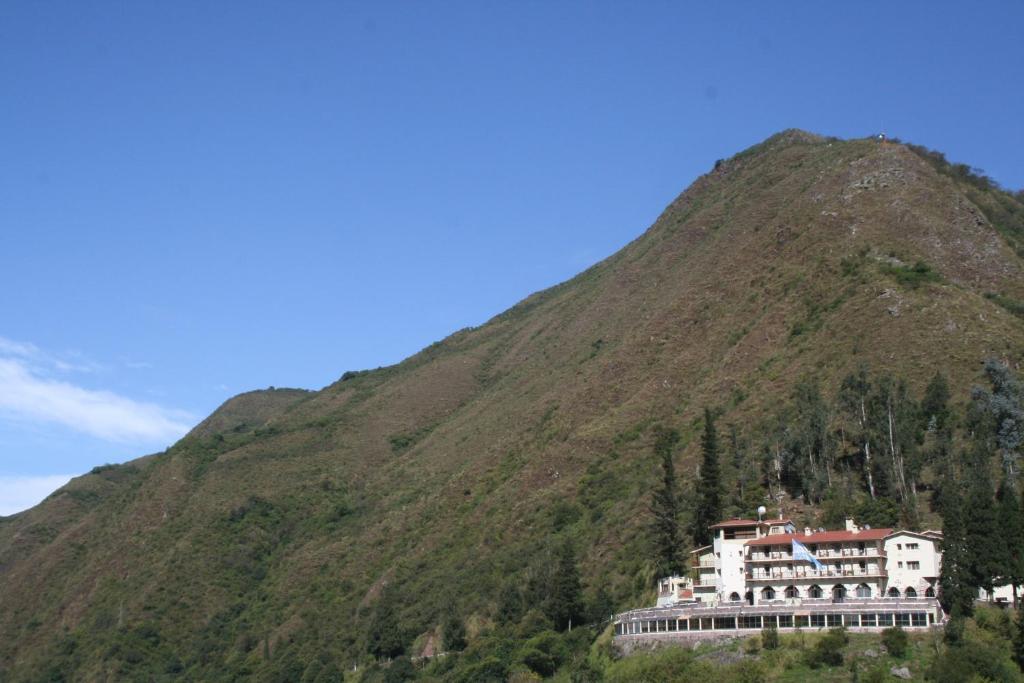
{"x":749,"y":579}
{"x":752,"y":561}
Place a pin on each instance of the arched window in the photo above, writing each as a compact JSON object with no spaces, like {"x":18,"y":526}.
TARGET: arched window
{"x":792,"y":592}
{"x":767,"y":593}
{"x":893,"y":592}
{"x":863,"y":591}
{"x":734,"y":597}
{"x":929,"y":592}
{"x":838,"y":592}
{"x":814,"y":591}
{"x":911,"y":593}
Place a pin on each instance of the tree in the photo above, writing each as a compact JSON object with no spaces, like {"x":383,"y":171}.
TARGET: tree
{"x":998,"y":416}
{"x":984,"y":540}
{"x":853,"y":400}
{"x":894,"y":418}
{"x":565,"y":603}
{"x":935,"y":413}
{"x":955,"y":591}
{"x":810,"y":444}
{"x":1018,"y":638}
{"x":709,"y":485}
{"x":385,"y":637}
{"x":453,"y":631}
{"x":936,"y":421}
{"x":1011,"y":529}
{"x":665,"y":508}
{"x":741,"y":471}
{"x":510,"y":604}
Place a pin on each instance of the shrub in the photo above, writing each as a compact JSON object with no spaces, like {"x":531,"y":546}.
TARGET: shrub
{"x":770,"y":638}
{"x":895,"y":640}
{"x":749,"y":671}
{"x":829,"y":650}
{"x":975,"y":658}
{"x":911,"y":276}
{"x":490,"y":669}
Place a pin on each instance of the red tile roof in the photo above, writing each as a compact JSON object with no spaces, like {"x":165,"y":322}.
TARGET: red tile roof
{"x":822,"y":537}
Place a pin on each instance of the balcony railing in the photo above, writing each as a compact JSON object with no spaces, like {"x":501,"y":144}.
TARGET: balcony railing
{"x":811,"y":573}
{"x":755,"y":556}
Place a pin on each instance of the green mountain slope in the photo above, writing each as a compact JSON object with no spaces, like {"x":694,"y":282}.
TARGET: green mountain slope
{"x":273,"y":529}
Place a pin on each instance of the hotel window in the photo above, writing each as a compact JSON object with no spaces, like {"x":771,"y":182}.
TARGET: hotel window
{"x":785,"y":621}
{"x":802,"y":621}
{"x":913,"y":565}
{"x":867,"y":619}
{"x":817,"y":621}
{"x":750,"y":621}
{"x":911,"y":546}
{"x":919,"y":619}
{"x":900,"y":565}
{"x":899,"y":546}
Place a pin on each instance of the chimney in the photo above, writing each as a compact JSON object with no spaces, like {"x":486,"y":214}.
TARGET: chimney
{"x":850,"y":526}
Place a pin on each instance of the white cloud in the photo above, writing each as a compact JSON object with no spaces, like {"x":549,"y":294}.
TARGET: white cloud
{"x":28,"y":392}
{"x":13,"y":348}
{"x":21,"y":493}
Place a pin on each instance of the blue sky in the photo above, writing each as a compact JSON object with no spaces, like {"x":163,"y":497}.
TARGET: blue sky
{"x":197,"y":199}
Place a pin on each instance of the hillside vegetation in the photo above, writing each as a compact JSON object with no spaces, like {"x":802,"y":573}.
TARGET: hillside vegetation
{"x":296,"y":533}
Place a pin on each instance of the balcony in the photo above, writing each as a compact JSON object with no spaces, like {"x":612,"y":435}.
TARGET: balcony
{"x":813,"y":574}
{"x":845,"y":553}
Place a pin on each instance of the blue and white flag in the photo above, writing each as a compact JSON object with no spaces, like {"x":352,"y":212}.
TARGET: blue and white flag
{"x":800,"y":552}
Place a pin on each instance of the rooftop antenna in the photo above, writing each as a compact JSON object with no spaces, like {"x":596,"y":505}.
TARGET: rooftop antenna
{"x":760,"y":512}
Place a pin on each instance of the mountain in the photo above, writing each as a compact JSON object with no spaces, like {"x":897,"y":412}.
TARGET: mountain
{"x":274,"y":532}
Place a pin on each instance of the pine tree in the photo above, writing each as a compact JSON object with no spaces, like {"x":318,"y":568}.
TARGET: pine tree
{"x":1011,"y":530}
{"x":665,"y":508}
{"x":709,"y":485}
{"x":565,"y":602}
{"x":984,"y":539}
{"x":955,"y":591}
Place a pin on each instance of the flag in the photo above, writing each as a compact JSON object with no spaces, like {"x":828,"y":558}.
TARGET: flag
{"x":800,"y":552}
